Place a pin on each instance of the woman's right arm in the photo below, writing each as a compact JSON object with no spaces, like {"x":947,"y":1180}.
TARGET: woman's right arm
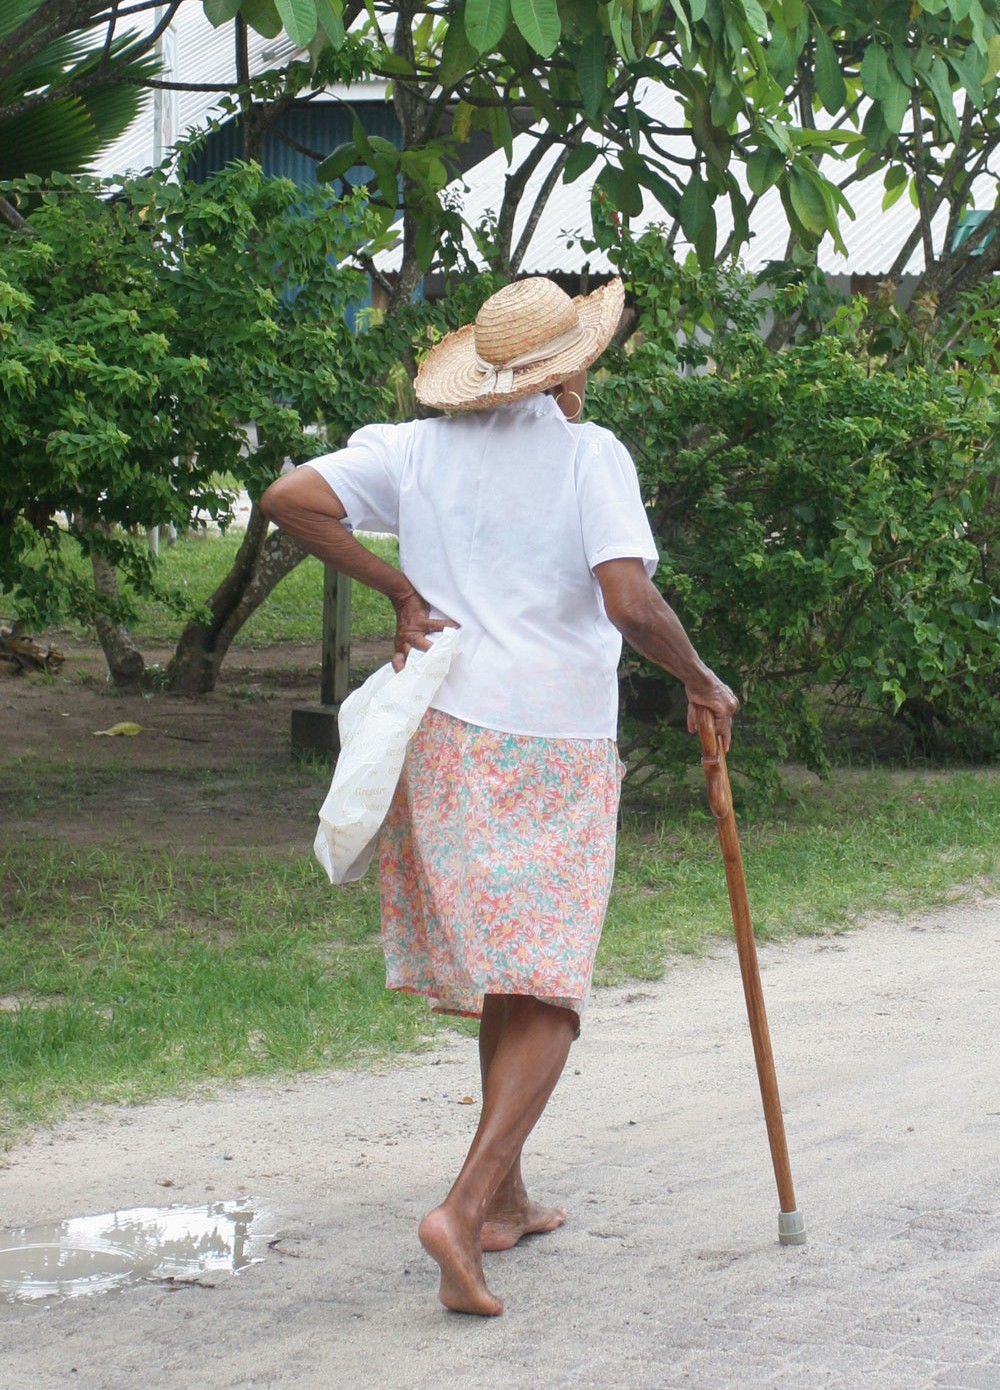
{"x":648,"y":623}
{"x":305,"y":507}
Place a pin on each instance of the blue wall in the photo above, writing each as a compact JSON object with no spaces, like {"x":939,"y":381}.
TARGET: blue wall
{"x":319,"y":126}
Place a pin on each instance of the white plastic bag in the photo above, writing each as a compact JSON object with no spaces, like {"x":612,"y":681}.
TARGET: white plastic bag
{"x":375,"y":722}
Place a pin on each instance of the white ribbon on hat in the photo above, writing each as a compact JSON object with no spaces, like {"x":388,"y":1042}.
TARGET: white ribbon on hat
{"x":499,"y":380}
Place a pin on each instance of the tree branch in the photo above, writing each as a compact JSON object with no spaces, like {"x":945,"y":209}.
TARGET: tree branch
{"x":920,"y":169}
{"x":13,"y":218}
{"x":109,"y":37}
{"x":141,"y":8}
{"x":538,"y":207}
{"x":514,"y":186}
{"x":377,"y":278}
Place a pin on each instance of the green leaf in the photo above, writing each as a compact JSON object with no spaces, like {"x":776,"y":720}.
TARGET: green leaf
{"x":362,"y":143}
{"x":219,"y":12}
{"x":458,"y":56}
{"x":501,"y":133}
{"x":621,"y":33}
{"x":969,"y":67}
{"x":299,"y":19}
{"x":978,"y":21}
{"x":694,"y":208}
{"x":877,"y":134}
{"x":331,"y":22}
{"x":538,"y":21}
{"x":902,"y":62}
{"x":645,"y":17}
{"x":262,"y":17}
{"x":683,"y":28}
{"x":895,"y":103}
{"x":741,"y":216}
{"x":705,"y":241}
{"x":875,"y":72}
{"x":540,"y":98}
{"x":782,"y":58}
{"x":755,"y":17}
{"x":622,"y":190}
{"x":590,"y":64}
{"x":830,"y":84}
{"x":579,"y":161}
{"x":807,"y":200}
{"x":386,"y":174}
{"x":665,"y":193}
{"x":893,"y":194}
{"x":936,"y":73}
{"x":337,"y":163}
{"x":764,"y":168}
{"x":426,"y":244}
{"x":461,"y":122}
{"x":579,"y":19}
{"x":395,"y":63}
{"x":992,"y":58}
{"x":486,"y":23}
{"x":835,"y":202}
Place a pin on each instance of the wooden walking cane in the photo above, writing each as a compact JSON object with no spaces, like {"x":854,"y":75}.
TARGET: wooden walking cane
{"x":791,"y":1227}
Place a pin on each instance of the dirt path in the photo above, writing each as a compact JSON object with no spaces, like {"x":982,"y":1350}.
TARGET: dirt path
{"x":186,"y":773}
{"x":668,"y":1274}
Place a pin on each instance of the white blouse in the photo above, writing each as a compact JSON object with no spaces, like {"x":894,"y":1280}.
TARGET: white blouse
{"x":501,"y":517}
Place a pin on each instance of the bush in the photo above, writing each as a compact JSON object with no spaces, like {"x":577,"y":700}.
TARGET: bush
{"x":825,"y":517}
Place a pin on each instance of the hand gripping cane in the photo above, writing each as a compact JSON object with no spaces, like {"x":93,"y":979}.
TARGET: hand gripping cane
{"x":791,"y":1227}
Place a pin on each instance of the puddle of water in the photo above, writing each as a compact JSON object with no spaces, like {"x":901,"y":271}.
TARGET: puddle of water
{"x":91,"y":1254}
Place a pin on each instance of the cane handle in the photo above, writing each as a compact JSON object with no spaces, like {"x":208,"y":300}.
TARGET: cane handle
{"x":713,"y":760}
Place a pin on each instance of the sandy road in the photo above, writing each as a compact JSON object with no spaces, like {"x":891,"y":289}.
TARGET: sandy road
{"x":668,"y":1273}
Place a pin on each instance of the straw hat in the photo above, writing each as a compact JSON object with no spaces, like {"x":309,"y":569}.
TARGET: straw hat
{"x":527,"y":337}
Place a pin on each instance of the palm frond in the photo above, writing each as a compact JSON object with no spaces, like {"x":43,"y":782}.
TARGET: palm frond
{"x":89,"y":97}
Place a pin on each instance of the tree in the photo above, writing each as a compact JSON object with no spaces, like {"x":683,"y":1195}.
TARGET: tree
{"x":140,"y":333}
{"x":779,"y":88}
{"x":920,"y":84}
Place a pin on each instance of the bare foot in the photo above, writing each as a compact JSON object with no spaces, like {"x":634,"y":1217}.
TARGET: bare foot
{"x":502,"y":1228}
{"x":463,"y":1287}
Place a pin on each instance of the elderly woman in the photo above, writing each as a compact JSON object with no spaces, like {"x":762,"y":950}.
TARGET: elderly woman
{"x":525,"y":528}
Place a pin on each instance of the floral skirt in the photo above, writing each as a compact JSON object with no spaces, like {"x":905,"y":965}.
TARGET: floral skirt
{"x":496,"y":862}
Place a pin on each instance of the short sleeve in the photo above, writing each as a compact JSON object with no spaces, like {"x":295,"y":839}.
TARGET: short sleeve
{"x":366,"y":475}
{"x":612,"y":515}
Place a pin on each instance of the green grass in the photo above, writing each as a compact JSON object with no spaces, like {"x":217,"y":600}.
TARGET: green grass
{"x":196,"y":564}
{"x":860,"y":844}
{"x":139,"y":973}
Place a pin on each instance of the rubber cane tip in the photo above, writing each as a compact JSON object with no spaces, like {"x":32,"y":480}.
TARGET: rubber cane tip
{"x":791,"y":1228}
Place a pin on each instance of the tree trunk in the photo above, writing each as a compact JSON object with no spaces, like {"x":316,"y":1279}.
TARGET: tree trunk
{"x":262,"y":560}
{"x":126,"y":664}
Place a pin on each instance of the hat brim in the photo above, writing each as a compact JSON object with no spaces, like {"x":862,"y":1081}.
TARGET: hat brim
{"x":450,"y":377}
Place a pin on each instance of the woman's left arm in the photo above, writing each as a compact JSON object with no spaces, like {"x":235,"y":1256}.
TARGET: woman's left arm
{"x":305,"y":507}
{"x":648,"y":623}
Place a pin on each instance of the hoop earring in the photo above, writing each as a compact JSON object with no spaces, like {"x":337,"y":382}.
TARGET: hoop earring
{"x":579,"y":404}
